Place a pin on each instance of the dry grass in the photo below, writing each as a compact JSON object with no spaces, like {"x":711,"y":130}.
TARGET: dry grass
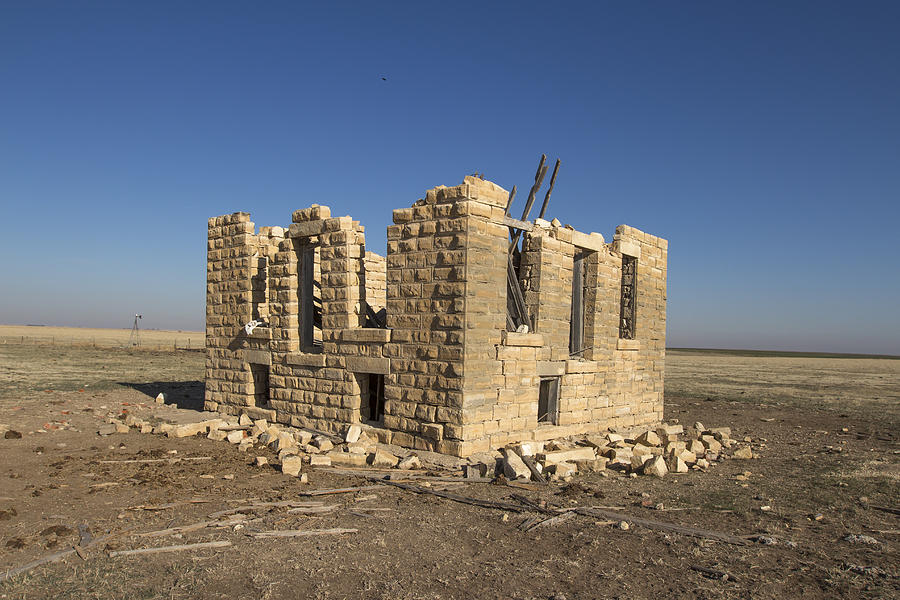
{"x":851,"y":385}
{"x":108,"y":338}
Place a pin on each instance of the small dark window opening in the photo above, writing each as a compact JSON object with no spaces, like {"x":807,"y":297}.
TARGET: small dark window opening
{"x":260,"y":382}
{"x":628,"y":305}
{"x":576,"y":319}
{"x":371,"y":386}
{"x":548,"y":400}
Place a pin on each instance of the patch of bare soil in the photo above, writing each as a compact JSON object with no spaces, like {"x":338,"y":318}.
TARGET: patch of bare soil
{"x":817,"y":511}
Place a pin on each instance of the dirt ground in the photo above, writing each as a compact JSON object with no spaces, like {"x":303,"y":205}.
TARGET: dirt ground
{"x":825,"y":431}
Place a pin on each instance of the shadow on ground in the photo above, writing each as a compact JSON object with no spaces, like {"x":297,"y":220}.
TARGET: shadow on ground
{"x":183,"y":394}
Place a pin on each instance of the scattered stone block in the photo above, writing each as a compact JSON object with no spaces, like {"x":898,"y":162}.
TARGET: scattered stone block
{"x":649,"y":438}
{"x":641,"y":450}
{"x":551,"y":458}
{"x":702,"y":463}
{"x":105,"y":430}
{"x":529,"y":448}
{"x":474,"y":471}
{"x":235,"y":437}
{"x":711,"y":444}
{"x":744,"y":452}
{"x":320,"y":460}
{"x":322,"y":443}
{"x":656,"y":467}
{"x":353,"y":433}
{"x":721,"y":433}
{"x":345,"y":458}
{"x":303,"y":437}
{"x":160,"y":398}
{"x":591,"y":466}
{"x":291,"y":465}
{"x":282,"y":442}
{"x":676,"y":465}
{"x":163,"y":428}
{"x":513,"y":467}
{"x":410,"y":462}
{"x":260,"y":426}
{"x":384,"y":459}
{"x":687,"y":456}
{"x":188,"y":430}
{"x":562,"y":469}
{"x":244,"y":420}
{"x":217,"y":435}
{"x":638,"y":461}
{"x":261,"y":461}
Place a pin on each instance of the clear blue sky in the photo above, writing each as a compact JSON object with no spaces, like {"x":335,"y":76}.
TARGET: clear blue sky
{"x":761,"y":139}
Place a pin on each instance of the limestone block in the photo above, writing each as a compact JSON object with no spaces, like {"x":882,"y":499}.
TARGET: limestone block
{"x":383,"y":459}
{"x":319,"y":460}
{"x":322,"y":443}
{"x":292,"y":465}
{"x":410,"y":462}
{"x":513,"y":467}
{"x":345,"y":458}
{"x":656,"y":466}
{"x":649,"y":438}
{"x":743,"y":452}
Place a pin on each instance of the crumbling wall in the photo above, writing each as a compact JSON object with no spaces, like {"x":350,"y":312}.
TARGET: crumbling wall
{"x":237,"y":270}
{"x":451,"y":377}
{"x":375,"y":267}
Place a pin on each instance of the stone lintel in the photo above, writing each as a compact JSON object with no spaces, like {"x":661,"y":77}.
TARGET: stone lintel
{"x":627,"y":247}
{"x":511,"y":338}
{"x":306,"y":229}
{"x":259,"y":357}
{"x":303,"y":359}
{"x":581,"y":366}
{"x":551,"y":368}
{"x":362,"y":364}
{"x":593,"y":241}
{"x":362,"y":334}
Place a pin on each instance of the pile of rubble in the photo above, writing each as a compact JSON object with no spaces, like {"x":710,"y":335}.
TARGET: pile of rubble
{"x":295,"y":447}
{"x":666,"y":449}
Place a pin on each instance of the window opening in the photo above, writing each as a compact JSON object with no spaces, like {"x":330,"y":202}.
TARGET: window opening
{"x":371,"y":387}
{"x":260,"y":384}
{"x":628,"y":305}
{"x":576,"y":319}
{"x":258,"y":285}
{"x":309,"y":293}
{"x":548,"y":400}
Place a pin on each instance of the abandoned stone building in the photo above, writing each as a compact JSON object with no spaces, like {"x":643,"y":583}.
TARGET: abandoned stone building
{"x":307,"y":328}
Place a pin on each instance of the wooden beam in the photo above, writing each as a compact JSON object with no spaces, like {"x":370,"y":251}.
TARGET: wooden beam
{"x":517,"y":224}
{"x":549,"y":191}
{"x":222,"y":544}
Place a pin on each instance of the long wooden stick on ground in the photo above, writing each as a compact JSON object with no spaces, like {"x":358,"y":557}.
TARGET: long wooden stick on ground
{"x":650,"y":524}
{"x":299,"y":532}
{"x":221,"y":544}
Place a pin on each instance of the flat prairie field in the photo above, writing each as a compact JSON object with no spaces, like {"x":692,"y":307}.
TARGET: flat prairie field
{"x":813,"y":515}
{"x":76,"y":336}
